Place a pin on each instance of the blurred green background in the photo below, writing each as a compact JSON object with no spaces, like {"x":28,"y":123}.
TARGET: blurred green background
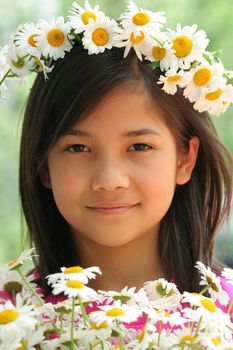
{"x":215,"y":17}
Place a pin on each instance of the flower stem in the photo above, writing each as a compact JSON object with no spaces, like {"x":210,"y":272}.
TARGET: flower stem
{"x":61,"y":322}
{"x":122,"y":346}
{"x":160,"y":331}
{"x":204,"y":290}
{"x":18,"y":269}
{"x":102,"y":345}
{"x":72,"y":326}
{"x":198,"y":327}
{"x":230,"y":307}
{"x":13,"y":296}
{"x":85,"y":318}
{"x":5,"y":76}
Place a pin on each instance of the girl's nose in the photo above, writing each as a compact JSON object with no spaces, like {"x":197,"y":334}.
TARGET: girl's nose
{"x":109,"y":176}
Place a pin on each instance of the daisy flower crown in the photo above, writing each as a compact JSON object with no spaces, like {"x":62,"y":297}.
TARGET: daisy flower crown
{"x":180,"y":54}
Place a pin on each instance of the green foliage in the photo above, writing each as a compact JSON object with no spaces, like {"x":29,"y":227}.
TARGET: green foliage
{"x":215,"y":17}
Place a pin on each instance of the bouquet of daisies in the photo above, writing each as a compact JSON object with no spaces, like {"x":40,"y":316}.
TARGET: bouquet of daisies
{"x":157,"y":316}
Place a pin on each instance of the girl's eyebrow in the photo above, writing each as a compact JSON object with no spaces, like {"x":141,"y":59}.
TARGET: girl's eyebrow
{"x":133,"y":133}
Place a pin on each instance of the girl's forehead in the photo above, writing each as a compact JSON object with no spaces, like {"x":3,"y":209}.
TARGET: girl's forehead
{"x":127,"y":106}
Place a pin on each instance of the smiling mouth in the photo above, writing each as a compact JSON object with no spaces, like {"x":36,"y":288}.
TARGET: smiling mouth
{"x":112,"y":210}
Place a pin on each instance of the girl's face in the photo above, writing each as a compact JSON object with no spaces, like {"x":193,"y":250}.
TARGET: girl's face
{"x":121,"y":155}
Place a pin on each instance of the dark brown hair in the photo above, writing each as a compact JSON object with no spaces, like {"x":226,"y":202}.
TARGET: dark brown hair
{"x":75,"y":85}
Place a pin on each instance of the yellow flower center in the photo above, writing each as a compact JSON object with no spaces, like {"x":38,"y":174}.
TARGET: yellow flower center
{"x":166,"y":314}
{"x":202,"y":77}
{"x":14,"y":261}
{"x":173,"y":78}
{"x":73,"y":269}
{"x":216,"y":341}
{"x":158,"y":52}
{"x":8,"y":316}
{"x":141,"y":18}
{"x":100,"y":37}
{"x":102,"y":325}
{"x":138,"y":39}
{"x":182,"y":45}
{"x":75,"y":284}
{"x":187,"y":339}
{"x":212,"y":96}
{"x":86,"y":16}
{"x":115,"y":311}
{"x":208,"y":305}
{"x":20,"y":347}
{"x":141,"y":335}
{"x":55,"y":37}
{"x":31,"y":40}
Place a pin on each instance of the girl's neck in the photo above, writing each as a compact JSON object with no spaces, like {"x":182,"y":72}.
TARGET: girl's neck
{"x":129,"y":265}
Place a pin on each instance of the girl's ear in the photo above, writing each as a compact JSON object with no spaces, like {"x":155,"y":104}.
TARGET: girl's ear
{"x":45,"y":177}
{"x":187,"y":162}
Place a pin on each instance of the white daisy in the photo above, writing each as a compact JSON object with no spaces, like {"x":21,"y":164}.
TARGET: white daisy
{"x":160,"y":289}
{"x":25,"y":256}
{"x":138,"y":42}
{"x":171,"y":81}
{"x":161,"y":52}
{"x":79,"y":17}
{"x":191,"y":298}
{"x":180,"y":339}
{"x":212,"y":319}
{"x":166,"y":317}
{"x":205,"y":75}
{"x":146,"y":337}
{"x":208,"y":310}
{"x":15,"y":319}
{"x":32,"y":338}
{"x":126,"y":296}
{"x":93,"y":333}
{"x":74,"y":272}
{"x":213,"y":342}
{"x":53,"y":38}
{"x":20,"y":65}
{"x":100,"y":34}
{"x":136,"y":20}
{"x":209,"y":278}
{"x":215,"y":101}
{"x":189,"y":45}
{"x":116,"y":312}
{"x":74,"y":288}
{"x":12,"y":283}
{"x":228,"y":274}
{"x":24,"y":39}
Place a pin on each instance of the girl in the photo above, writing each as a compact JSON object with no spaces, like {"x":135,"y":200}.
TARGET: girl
{"x":117,"y":173}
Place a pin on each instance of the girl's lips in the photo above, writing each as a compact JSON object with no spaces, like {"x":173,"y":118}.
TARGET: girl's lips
{"x":113,"y":210}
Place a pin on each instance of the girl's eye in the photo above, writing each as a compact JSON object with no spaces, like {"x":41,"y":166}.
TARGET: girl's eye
{"x":80,"y":148}
{"x":141,"y":146}
{"x":76,"y":148}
